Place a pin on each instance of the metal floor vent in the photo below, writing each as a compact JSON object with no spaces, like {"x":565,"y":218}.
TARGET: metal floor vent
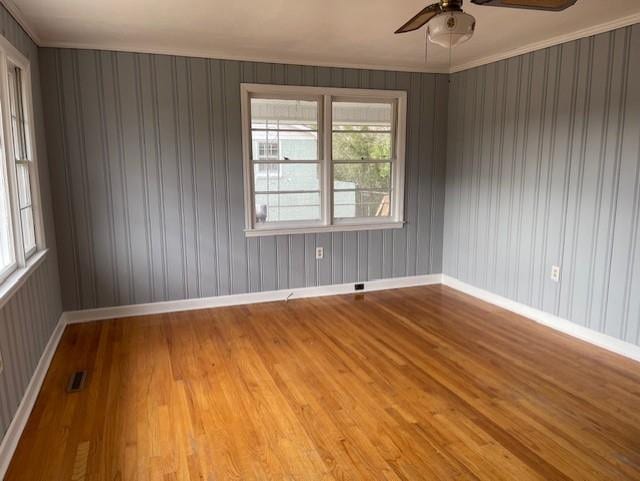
{"x":76,"y":382}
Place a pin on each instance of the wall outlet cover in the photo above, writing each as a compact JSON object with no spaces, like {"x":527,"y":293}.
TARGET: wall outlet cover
{"x":555,"y":273}
{"x":319,"y":252}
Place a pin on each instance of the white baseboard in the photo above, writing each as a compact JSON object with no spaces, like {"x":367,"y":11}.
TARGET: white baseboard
{"x":72,"y":317}
{"x":12,"y":436}
{"x":559,"y":324}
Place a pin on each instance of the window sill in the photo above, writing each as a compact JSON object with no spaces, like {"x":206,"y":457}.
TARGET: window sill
{"x":12,"y":283}
{"x":323,"y":228}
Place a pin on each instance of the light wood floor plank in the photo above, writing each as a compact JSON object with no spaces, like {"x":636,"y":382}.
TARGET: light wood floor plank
{"x":410,"y":384}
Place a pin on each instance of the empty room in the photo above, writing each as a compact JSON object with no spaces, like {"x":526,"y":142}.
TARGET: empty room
{"x":320,"y":240}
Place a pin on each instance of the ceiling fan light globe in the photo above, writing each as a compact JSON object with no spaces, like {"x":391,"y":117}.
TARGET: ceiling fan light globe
{"x":451,"y":28}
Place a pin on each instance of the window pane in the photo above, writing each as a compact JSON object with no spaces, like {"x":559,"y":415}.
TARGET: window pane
{"x":362,"y":190}
{"x":284,"y":129}
{"x":360,"y":175}
{"x":362,"y":131}
{"x":28,"y":229}
{"x":286,"y":177}
{"x":7,"y":256}
{"x":24,"y":189}
{"x":277,"y":114}
{"x":361,"y":146}
{"x":362,"y":116}
{"x":284,"y":145}
{"x":18,"y":127}
{"x":12,"y":90}
{"x":18,"y":151}
{"x":287,"y":207}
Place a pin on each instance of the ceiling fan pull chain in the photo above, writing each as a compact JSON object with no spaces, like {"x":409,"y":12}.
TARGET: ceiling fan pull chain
{"x":450,"y":48}
{"x":426,"y":46}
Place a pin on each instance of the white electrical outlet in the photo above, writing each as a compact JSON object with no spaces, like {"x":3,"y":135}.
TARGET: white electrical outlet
{"x":319,"y":252}
{"x":555,"y":273}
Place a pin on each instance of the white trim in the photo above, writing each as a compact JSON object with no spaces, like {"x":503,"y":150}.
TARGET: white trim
{"x":19,"y":17}
{"x":400,"y":139}
{"x":222,"y":55}
{"x":554,"y":322}
{"x":337,"y":227}
{"x":296,"y":91}
{"x":326,"y":166}
{"x":568,"y":37}
{"x":18,"y":277}
{"x":12,"y":436}
{"x":73,"y":317}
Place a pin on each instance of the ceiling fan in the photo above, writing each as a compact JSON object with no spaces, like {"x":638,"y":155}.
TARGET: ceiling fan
{"x":449,"y":26}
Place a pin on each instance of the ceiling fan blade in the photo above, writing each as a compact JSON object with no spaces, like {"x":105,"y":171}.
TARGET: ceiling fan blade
{"x":548,"y":5}
{"x":420,"y":19}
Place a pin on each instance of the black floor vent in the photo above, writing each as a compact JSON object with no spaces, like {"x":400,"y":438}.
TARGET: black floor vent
{"x":76,"y":382}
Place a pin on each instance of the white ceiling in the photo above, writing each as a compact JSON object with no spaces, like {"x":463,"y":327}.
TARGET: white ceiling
{"x":356,"y":33}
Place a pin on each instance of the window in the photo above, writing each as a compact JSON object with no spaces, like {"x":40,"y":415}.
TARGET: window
{"x":21,"y":232}
{"x":22,"y":160}
{"x":319,"y":159}
{"x":267,"y":150}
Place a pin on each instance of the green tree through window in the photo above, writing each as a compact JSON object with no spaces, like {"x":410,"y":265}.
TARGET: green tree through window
{"x":364,"y":146}
{"x":369,"y":181}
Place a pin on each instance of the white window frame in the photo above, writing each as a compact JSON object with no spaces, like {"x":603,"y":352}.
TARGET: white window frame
{"x":25,"y":262}
{"x":325,"y":97}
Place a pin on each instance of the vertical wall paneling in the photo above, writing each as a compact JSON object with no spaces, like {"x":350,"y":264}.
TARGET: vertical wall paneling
{"x":543,"y":169}
{"x":152,"y":187}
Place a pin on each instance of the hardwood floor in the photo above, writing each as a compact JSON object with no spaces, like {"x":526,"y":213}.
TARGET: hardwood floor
{"x":409,"y":384}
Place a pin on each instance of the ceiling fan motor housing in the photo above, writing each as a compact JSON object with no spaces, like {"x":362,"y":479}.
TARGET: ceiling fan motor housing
{"x":451,"y":28}
{"x":451,"y":5}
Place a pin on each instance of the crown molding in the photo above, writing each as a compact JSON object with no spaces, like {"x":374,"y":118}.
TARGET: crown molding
{"x":532,"y":47}
{"x":221,"y":55}
{"x":17,"y":14}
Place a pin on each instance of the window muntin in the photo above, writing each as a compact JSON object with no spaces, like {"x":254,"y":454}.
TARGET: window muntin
{"x":320,"y":158}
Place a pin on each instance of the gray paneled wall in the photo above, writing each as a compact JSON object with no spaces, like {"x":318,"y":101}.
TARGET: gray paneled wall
{"x":29,"y":317}
{"x":147,"y":181}
{"x":544,"y":169}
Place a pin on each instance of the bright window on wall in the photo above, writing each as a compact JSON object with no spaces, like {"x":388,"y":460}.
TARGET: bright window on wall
{"x":21,"y":231}
{"x":322,"y":159}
